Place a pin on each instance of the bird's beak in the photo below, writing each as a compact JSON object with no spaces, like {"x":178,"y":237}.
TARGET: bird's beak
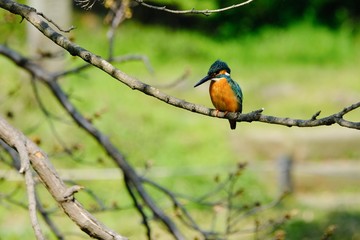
{"x":205,"y":79}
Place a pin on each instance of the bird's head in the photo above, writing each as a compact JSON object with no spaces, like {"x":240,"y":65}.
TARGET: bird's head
{"x":217,"y":68}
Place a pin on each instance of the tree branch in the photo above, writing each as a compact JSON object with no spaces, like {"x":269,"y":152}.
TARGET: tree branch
{"x":17,"y":140}
{"x":30,"y":186}
{"x":45,"y":214}
{"x":192,"y":11}
{"x":103,"y":140}
{"x":181,"y":211}
{"x":31,"y":15}
{"x":55,"y":24}
{"x":254,"y":116}
{"x":50,"y":178}
{"x":115,"y":154}
{"x":139,"y":207}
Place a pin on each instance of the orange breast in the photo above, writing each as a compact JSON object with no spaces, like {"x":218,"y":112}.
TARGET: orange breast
{"x":222,"y":96}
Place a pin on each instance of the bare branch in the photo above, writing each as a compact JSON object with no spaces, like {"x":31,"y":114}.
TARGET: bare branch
{"x":139,"y":207}
{"x":254,"y":116}
{"x":31,"y":15}
{"x":103,"y":140}
{"x":117,"y":13}
{"x":47,"y":219}
{"x":49,"y":116}
{"x":14,"y":138}
{"x":54,"y":184}
{"x":183,"y":214}
{"x":12,"y":153}
{"x":115,"y":154}
{"x":55,"y":24}
{"x":30,"y":186}
{"x":192,"y":11}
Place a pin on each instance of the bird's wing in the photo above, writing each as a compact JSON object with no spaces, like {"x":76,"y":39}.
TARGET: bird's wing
{"x":236,"y":88}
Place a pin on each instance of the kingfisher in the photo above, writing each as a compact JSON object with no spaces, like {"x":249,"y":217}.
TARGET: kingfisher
{"x":225,"y":93}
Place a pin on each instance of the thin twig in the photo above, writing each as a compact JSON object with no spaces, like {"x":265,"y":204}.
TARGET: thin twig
{"x":49,"y":116}
{"x":118,"y":15}
{"x":188,"y":220}
{"x":244,"y":214}
{"x":55,"y":24}
{"x":13,"y":154}
{"x":30,"y":186}
{"x":46,"y":216}
{"x":192,"y":11}
{"x":139,"y":207}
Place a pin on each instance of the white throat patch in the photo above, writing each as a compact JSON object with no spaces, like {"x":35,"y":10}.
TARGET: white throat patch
{"x":219,"y":78}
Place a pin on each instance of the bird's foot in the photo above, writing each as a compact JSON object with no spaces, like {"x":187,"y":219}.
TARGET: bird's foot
{"x":217,"y":111}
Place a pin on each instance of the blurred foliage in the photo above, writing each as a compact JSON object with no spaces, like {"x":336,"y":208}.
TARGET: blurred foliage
{"x":253,"y":16}
{"x":337,"y":224}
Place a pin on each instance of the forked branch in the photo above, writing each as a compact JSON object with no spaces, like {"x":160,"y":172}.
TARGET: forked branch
{"x":52,"y":181}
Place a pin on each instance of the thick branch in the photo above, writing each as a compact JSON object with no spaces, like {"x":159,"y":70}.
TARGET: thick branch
{"x":55,"y":185}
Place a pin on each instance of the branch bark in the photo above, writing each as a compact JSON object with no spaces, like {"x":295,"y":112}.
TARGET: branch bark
{"x":50,"y":178}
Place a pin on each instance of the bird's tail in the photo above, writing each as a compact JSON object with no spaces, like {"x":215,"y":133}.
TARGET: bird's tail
{"x":232,"y":124}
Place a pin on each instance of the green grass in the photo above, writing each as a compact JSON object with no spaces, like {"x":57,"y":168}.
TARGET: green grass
{"x":291,"y":72}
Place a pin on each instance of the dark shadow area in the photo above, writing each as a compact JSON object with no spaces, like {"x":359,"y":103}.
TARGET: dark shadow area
{"x":248,"y":18}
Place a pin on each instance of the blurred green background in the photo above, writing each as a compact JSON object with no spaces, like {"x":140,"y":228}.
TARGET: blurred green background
{"x":291,"y":58}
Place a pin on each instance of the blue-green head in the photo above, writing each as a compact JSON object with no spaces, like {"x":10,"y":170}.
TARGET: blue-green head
{"x":218,"y":67}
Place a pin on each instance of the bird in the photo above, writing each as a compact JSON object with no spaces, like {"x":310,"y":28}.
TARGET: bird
{"x":225,"y":93}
